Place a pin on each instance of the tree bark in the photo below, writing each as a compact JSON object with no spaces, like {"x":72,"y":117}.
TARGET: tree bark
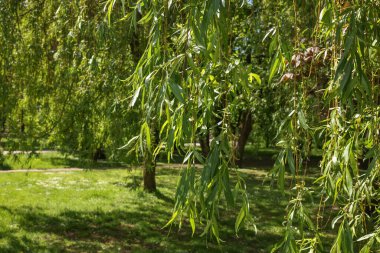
{"x":245,"y":129}
{"x":22,"y":127}
{"x":204,"y":141}
{"x":149,"y":174}
{"x":150,"y":161}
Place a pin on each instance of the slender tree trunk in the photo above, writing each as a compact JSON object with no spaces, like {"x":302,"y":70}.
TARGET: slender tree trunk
{"x":245,"y":129}
{"x":204,"y":141}
{"x":22,"y":127}
{"x":150,"y":161}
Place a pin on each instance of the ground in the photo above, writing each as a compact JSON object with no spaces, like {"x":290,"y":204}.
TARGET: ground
{"x":105,"y":210}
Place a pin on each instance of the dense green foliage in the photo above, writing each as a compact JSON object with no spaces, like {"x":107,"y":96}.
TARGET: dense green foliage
{"x":163,"y":76}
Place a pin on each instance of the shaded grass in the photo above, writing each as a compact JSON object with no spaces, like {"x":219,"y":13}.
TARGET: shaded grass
{"x":107,"y":211}
{"x":51,"y":160}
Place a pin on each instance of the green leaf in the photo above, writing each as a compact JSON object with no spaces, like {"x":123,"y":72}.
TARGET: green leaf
{"x":192,"y":223}
{"x":215,"y":229}
{"x":291,"y":163}
{"x":227,"y":188}
{"x":239,"y":219}
{"x":346,"y":77}
{"x":145,"y":130}
{"x":348,"y":182}
{"x":273,"y":68}
{"x":254,"y":76}
{"x":135,"y":96}
{"x":174,"y":216}
{"x":110,"y":4}
{"x":366,"y":237}
{"x":130,"y":143}
{"x":346,"y":153}
{"x":146,"y":18}
{"x":302,"y":120}
{"x":177,"y":91}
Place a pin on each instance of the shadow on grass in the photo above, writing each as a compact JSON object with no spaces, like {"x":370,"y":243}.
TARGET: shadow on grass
{"x":5,"y":167}
{"x":119,"y":230}
{"x":138,"y":228}
{"x":85,"y":163}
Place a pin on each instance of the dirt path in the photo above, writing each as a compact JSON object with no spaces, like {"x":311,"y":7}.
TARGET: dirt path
{"x":41,"y":170}
{"x":16,"y":152}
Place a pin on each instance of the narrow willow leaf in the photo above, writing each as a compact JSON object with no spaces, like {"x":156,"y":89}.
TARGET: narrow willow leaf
{"x":110,"y":4}
{"x":227,"y":188}
{"x":348,"y":244}
{"x":174,"y":216}
{"x":254,"y":76}
{"x":145,"y":130}
{"x":302,"y":120}
{"x":135,"y":96}
{"x":198,"y":156}
{"x":273,"y":69}
{"x":348,"y":182}
{"x":371,"y":165}
{"x":187,"y":157}
{"x":146,"y":18}
{"x":367,"y":247}
{"x":346,"y":153}
{"x":239,"y":219}
{"x":366,"y":237}
{"x":215,"y":229}
{"x":346,"y":77}
{"x":130,"y":143}
{"x":177,"y":91}
{"x":291,"y":162}
{"x":192,"y":224}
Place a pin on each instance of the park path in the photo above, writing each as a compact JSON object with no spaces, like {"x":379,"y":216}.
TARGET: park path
{"x":6,"y":152}
{"x":41,"y":170}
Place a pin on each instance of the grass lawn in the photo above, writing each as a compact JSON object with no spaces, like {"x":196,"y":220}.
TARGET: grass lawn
{"x":51,"y":160}
{"x":107,"y":211}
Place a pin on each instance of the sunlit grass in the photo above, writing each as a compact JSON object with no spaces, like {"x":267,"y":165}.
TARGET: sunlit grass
{"x":107,"y":210}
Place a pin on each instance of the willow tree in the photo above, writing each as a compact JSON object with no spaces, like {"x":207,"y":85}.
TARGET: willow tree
{"x":189,"y":71}
{"x":61,"y":77}
{"x":190,"y":80}
{"x":345,"y":45}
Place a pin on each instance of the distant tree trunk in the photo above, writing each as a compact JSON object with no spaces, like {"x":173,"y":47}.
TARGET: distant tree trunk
{"x":204,"y":141}
{"x":3,"y":122}
{"x":244,"y":131}
{"x":99,"y":154}
{"x":22,"y":128}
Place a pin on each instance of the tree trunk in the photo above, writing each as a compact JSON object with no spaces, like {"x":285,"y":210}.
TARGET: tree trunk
{"x":99,"y":154}
{"x":22,"y":127}
{"x":245,"y":129}
{"x":204,"y":141}
{"x":150,"y":161}
{"x":149,"y":174}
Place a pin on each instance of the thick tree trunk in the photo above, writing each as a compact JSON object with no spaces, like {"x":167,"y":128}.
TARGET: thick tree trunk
{"x":150,"y":161}
{"x":149,"y":175}
{"x":245,"y":129}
